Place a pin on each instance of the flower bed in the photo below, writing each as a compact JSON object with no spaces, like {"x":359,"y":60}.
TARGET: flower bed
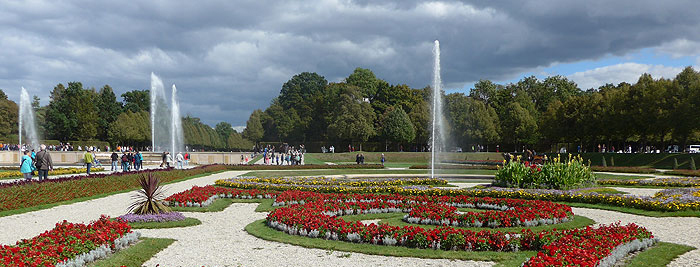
{"x":57,"y":171}
{"x":160,"y":217}
{"x":69,"y":244}
{"x":19,"y":195}
{"x":317,"y":215}
{"x":685,"y":202}
{"x":254,"y":167}
{"x":359,"y":182}
{"x":664,"y":182}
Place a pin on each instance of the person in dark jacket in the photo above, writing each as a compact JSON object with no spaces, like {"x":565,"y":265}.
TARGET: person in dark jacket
{"x":43,"y":163}
{"x":115,"y":158}
{"x":125,"y":162}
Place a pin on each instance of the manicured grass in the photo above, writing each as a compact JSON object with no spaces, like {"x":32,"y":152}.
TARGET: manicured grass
{"x":255,"y":159}
{"x":135,"y":255}
{"x":603,"y":190}
{"x":361,"y":171}
{"x":402,"y":157}
{"x":223,"y":203}
{"x":619,"y":177}
{"x":687,"y":213}
{"x":51,"y":205}
{"x":396,"y":220}
{"x":659,"y":255}
{"x":260,"y":230}
{"x":158,"y":225}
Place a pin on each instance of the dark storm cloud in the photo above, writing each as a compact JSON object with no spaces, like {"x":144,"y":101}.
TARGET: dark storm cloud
{"x":229,"y":57}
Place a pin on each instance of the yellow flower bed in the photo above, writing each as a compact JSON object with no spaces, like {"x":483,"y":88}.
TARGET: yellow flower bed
{"x":58,"y":171}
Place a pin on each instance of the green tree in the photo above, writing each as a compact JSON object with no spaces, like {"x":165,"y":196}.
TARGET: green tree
{"x":131,"y":128}
{"x":397,"y":126}
{"x":35,"y":102}
{"x":9,"y":114}
{"x":353,"y":120}
{"x":72,"y":113}
{"x":303,"y":93}
{"x":137,"y":100}
{"x":519,"y":126}
{"x":224,"y":129}
{"x":472,"y":121}
{"x":107,"y":109}
{"x":254,"y":129}
{"x":366,"y":81}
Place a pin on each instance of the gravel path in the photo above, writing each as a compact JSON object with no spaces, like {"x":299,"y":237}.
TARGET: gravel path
{"x":680,"y":230}
{"x":638,"y":191}
{"x":28,"y":225}
{"x":221,"y":241}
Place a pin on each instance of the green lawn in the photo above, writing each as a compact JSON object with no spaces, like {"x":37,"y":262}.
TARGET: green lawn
{"x":401,"y":157}
{"x":659,"y":255}
{"x":135,"y":255}
{"x":158,"y":225}
{"x":362,"y":171}
{"x":223,"y":203}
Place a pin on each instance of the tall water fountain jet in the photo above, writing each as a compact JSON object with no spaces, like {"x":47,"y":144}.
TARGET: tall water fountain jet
{"x":160,"y":117}
{"x":176,"y":134}
{"x":437,"y":133}
{"x":27,"y":124}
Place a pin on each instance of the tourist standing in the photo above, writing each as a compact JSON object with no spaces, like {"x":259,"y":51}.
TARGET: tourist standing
{"x":130,"y":158}
{"x":187,"y":159}
{"x":169,"y":158}
{"x":114,"y":158}
{"x":179,"y":159}
{"x":26,"y":166}
{"x":87,"y":157}
{"x":164,"y":159}
{"x":138,"y":160}
{"x":383,"y":159}
{"x":125,"y":162}
{"x":43,"y":163}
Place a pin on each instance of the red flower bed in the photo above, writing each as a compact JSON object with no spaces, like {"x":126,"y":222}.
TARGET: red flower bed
{"x":64,"y":242}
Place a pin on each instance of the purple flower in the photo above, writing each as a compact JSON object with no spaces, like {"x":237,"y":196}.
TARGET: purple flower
{"x":161,"y":217}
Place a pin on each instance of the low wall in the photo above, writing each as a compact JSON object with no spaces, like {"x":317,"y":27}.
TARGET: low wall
{"x":76,"y":157}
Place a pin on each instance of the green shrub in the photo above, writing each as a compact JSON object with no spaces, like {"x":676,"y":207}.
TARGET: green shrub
{"x":605,"y":164}
{"x":556,"y":174}
{"x":612,"y":161}
{"x":675,"y":163}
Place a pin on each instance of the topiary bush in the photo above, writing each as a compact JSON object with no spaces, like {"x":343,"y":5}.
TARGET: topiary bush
{"x":555,"y":174}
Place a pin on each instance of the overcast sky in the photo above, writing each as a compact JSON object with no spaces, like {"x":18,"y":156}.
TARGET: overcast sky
{"x":230,"y":57}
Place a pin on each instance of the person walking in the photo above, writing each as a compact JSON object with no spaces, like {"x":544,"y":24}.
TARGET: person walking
{"x":43,"y":163}
{"x":187,"y":159}
{"x":87,"y":157}
{"x":26,"y":166}
{"x":114,"y":158}
{"x":169,"y":158}
{"x":179,"y":158}
{"x":383,"y":159}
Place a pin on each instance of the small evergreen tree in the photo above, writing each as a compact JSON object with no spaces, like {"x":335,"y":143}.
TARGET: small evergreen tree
{"x":692,"y":164}
{"x":675,"y":163}
{"x":605,"y":164}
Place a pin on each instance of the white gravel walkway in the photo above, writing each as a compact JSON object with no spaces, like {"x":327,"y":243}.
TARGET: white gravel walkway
{"x":221,"y":241}
{"x":680,"y":230}
{"x":638,"y":191}
{"x":28,"y":225}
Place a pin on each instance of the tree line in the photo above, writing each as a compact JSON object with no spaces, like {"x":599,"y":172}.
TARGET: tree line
{"x":75,"y":113}
{"x":530,"y":112}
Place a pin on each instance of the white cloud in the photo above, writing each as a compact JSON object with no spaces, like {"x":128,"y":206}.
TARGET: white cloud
{"x":623,"y":72}
{"x":680,"y":48}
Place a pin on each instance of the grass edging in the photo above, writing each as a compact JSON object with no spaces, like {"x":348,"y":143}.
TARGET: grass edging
{"x":659,"y":255}
{"x":135,"y":255}
{"x":223,"y":203}
{"x":648,"y":213}
{"x":51,"y":205}
{"x":262,"y":231}
{"x":161,"y":225}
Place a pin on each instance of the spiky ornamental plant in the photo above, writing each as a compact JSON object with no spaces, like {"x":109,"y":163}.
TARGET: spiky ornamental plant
{"x":149,"y":200}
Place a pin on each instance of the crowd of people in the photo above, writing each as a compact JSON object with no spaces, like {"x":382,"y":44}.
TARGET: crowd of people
{"x":284,"y":155}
